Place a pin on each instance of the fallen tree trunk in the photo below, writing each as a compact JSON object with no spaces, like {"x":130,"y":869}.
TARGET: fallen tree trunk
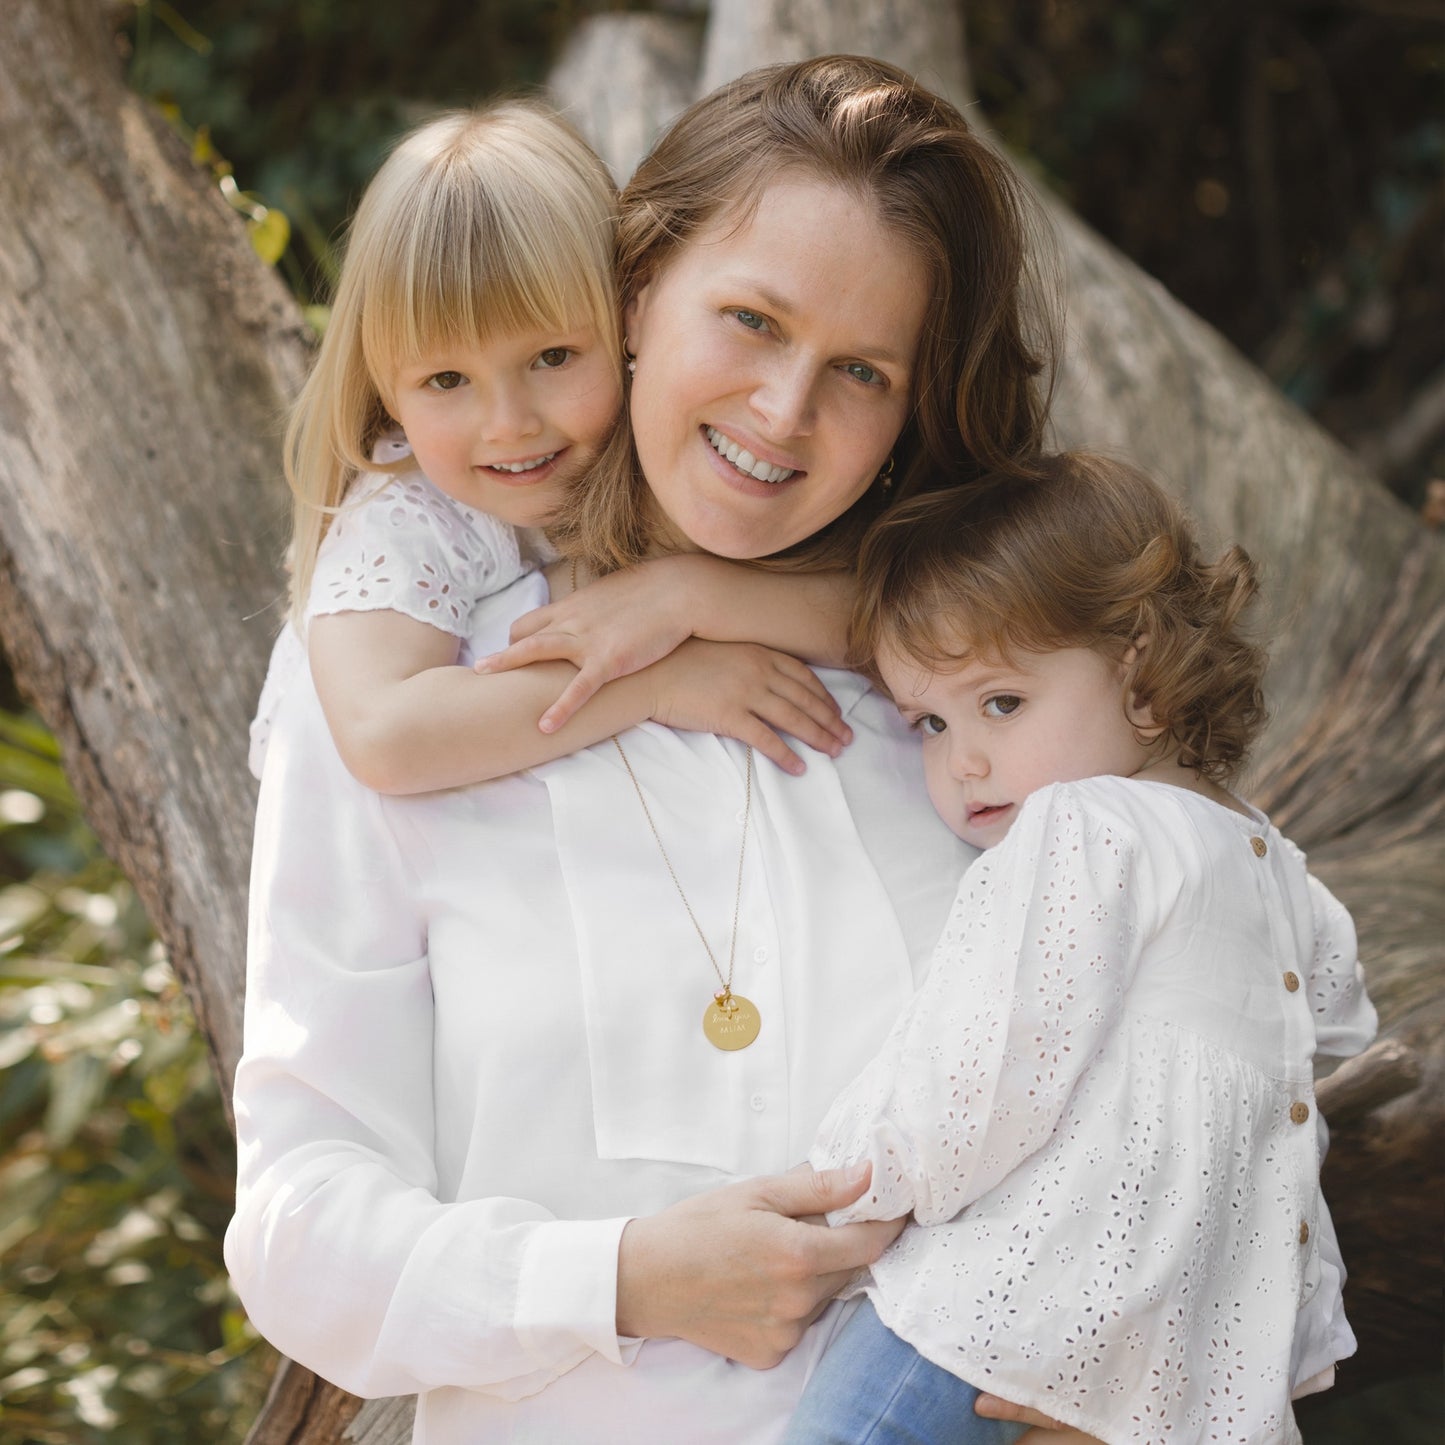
{"x":145,"y":355}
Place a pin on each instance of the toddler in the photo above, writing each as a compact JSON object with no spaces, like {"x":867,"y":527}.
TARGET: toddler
{"x":1098,"y":1108}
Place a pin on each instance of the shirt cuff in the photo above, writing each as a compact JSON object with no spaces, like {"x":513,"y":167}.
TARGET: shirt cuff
{"x":567,"y":1288}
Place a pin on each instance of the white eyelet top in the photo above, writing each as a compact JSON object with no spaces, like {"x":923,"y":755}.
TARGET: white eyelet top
{"x":1099,"y":1108}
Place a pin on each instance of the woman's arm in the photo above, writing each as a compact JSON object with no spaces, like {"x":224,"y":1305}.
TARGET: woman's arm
{"x":745,"y":1269}
{"x":406,"y":720}
{"x":626,"y":620}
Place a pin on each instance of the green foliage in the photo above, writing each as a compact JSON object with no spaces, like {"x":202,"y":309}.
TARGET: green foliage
{"x":116,"y":1318}
{"x":305,"y":97}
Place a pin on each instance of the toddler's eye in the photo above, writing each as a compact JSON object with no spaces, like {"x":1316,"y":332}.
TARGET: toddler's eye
{"x":554,"y":356}
{"x":1004,"y":705}
{"x":861,"y":371}
{"x":930,"y":724}
{"x":750,"y":319}
{"x":446,"y":381}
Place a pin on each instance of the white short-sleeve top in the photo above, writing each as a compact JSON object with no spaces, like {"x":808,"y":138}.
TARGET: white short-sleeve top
{"x":1100,"y":1109}
{"x":398,"y":544}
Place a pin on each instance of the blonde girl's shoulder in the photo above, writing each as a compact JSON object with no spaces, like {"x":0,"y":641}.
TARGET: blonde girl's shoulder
{"x":398,"y":543}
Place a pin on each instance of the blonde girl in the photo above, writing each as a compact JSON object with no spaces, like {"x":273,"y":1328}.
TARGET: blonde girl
{"x":1098,"y":1108}
{"x":469,"y":377}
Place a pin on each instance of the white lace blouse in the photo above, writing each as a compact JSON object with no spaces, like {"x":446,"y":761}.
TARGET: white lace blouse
{"x":1099,"y":1108}
{"x":397,"y":544}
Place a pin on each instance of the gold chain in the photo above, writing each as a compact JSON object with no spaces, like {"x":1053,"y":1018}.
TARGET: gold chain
{"x":727,"y":983}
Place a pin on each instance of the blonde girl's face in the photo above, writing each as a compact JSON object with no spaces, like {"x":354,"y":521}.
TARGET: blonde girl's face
{"x":507,"y":425}
{"x":995,"y":732}
{"x":775,"y":357}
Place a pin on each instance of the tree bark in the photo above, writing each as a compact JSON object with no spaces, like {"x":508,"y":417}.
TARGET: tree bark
{"x":146,"y":354}
{"x":145,"y":357}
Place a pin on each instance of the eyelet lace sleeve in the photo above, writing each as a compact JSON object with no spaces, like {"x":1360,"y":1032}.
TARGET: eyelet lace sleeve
{"x":400,"y":545}
{"x":397,"y":545}
{"x":1026,"y":982}
{"x":1345,"y":1019}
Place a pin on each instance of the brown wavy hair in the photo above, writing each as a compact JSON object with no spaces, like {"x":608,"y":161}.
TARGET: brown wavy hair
{"x":868,"y":126}
{"x":1088,"y":553}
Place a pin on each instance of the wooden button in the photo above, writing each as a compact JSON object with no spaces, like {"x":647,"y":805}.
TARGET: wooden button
{"x":1291,"y":980}
{"x":1299,"y":1112}
{"x":1260,"y":847}
{"x":1304,"y":1232}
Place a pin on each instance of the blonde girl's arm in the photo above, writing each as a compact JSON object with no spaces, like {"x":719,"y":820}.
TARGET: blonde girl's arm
{"x":405,"y":719}
{"x":626,"y":620}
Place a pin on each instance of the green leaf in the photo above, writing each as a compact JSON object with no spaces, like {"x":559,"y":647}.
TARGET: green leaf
{"x":270,"y":234}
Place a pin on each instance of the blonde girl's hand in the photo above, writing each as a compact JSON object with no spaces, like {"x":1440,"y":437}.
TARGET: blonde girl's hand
{"x":746,"y":691}
{"x":617,"y":625}
{"x":1046,"y":1431}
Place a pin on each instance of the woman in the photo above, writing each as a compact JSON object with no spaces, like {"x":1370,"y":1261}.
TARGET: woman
{"x":487,"y":1152}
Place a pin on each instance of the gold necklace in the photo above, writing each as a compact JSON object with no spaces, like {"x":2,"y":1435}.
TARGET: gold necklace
{"x":730,"y":1020}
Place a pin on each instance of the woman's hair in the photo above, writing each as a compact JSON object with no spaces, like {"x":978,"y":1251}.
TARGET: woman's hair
{"x":479,"y":224}
{"x":868,"y":127}
{"x":1088,"y":553}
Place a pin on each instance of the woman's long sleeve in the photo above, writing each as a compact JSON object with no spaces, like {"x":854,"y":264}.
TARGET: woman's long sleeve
{"x":1025,"y":984}
{"x":342,"y":1252}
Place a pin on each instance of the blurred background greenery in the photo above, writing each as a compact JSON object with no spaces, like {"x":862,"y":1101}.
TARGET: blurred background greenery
{"x":1276,"y":163}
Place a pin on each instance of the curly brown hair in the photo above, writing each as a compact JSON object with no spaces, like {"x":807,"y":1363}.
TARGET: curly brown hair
{"x":1088,"y":553}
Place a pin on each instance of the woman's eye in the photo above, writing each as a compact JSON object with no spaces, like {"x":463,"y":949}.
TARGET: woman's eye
{"x":446,"y":380}
{"x":554,"y":356}
{"x":750,"y":319}
{"x":930,"y":724}
{"x":1004,"y":705}
{"x":861,"y":371}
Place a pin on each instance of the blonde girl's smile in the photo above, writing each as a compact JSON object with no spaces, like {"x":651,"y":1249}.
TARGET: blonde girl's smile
{"x":505,"y":426}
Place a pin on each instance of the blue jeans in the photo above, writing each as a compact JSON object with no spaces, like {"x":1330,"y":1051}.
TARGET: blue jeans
{"x":870,"y":1388}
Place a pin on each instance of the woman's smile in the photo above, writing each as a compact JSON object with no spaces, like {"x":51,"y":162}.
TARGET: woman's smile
{"x":775,"y":355}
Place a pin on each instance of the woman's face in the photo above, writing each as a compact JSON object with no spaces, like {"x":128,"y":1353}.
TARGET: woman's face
{"x":774,"y":368}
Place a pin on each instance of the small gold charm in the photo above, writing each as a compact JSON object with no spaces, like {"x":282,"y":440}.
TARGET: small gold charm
{"x":731,"y":1021}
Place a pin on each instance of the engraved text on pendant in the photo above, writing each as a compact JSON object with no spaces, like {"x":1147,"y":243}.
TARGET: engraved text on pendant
{"x":731,"y":1022}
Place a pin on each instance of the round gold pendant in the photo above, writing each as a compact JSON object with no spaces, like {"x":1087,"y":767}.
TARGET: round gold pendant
{"x":731,"y":1021}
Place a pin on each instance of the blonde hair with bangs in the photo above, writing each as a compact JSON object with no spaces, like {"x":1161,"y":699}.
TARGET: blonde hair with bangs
{"x":478,"y":225}
{"x":1088,"y":553}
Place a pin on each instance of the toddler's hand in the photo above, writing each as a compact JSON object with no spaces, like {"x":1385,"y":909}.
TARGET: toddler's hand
{"x":617,"y":625}
{"x":746,"y":691}
{"x":1046,"y":1431}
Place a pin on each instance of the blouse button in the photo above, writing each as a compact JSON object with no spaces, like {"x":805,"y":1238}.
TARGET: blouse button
{"x":760,"y":954}
{"x":1304,"y":1232}
{"x":759,"y":1103}
{"x":1259,"y":846}
{"x":1291,"y":980}
{"x":1299,"y":1112}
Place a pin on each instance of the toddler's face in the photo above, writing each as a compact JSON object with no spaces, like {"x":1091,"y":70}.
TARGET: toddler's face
{"x":995,"y":732}
{"x":507,"y":426}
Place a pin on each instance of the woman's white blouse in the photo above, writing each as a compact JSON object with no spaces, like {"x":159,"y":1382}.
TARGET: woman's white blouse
{"x":474,"y":1049}
{"x":1109,"y":1072}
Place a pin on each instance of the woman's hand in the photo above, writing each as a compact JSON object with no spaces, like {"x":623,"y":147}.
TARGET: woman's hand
{"x":746,"y":691}
{"x":617,"y":625}
{"x":1047,"y":1431}
{"x":742,"y":1270}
